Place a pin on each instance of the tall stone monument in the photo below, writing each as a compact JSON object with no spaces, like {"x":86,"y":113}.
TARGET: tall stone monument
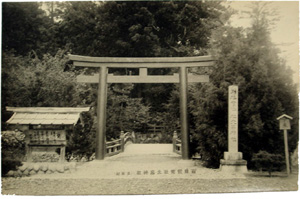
{"x":233,"y":159}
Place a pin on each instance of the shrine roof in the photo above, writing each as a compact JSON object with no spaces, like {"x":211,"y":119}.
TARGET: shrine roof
{"x":45,"y":115}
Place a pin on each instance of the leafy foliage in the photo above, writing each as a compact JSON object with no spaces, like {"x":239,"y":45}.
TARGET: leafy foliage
{"x":81,"y":139}
{"x":26,"y":28}
{"x":135,"y":29}
{"x":268,"y":161}
{"x":124,"y":113}
{"x":141,"y":29}
{"x":12,"y":140}
{"x":246,"y":58}
{"x":37,"y":82}
{"x":36,"y":71}
{"x":12,"y":150}
{"x":100,"y":29}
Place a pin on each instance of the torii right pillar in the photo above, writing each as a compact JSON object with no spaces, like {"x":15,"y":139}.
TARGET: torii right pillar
{"x":233,"y":159}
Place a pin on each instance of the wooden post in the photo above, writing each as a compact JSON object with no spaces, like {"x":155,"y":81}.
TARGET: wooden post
{"x":101,"y":114}
{"x":29,"y":155}
{"x":122,"y":141}
{"x":174,"y":141}
{"x":284,"y":124}
{"x":185,"y":137}
{"x":133,"y":136}
{"x":286,"y":150}
{"x":62,"y":153}
{"x":143,"y":72}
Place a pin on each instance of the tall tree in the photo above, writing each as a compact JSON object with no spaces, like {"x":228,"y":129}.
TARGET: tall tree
{"x":246,"y":58}
{"x":37,"y":82}
{"x":23,"y":26}
{"x":135,"y":29}
{"x":141,"y":29}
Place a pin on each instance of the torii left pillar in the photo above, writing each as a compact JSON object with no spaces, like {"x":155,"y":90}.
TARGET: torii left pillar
{"x":101,"y":114}
{"x":185,"y":140}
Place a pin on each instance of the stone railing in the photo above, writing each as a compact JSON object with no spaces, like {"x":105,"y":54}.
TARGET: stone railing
{"x":117,"y":146}
{"x":176,"y":143}
{"x":129,"y":136}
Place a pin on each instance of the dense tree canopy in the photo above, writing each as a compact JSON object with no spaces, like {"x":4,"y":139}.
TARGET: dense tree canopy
{"x":36,"y":71}
{"x":135,"y":29}
{"x":141,"y":29}
{"x":246,"y":58}
{"x":25,"y":28}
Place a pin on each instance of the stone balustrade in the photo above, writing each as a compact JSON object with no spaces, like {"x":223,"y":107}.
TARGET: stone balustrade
{"x":117,"y":146}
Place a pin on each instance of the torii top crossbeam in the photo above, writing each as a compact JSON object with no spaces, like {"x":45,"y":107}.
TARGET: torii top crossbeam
{"x":141,"y":62}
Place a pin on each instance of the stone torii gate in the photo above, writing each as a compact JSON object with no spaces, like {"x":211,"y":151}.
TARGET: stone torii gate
{"x":103,"y":78}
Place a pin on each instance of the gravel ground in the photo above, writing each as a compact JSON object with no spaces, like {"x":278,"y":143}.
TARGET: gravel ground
{"x":31,"y":186}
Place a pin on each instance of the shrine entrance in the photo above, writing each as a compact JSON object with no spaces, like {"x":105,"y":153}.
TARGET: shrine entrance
{"x":143,"y":64}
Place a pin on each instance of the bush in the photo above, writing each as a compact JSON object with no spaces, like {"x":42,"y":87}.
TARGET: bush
{"x":81,"y":142}
{"x":267,"y":161}
{"x":81,"y":139}
{"x":13,"y":150}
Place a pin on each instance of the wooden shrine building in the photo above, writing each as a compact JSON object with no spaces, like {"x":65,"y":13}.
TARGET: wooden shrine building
{"x":45,"y":130}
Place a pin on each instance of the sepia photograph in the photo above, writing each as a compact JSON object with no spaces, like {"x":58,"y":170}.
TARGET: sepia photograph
{"x":149,"y":98}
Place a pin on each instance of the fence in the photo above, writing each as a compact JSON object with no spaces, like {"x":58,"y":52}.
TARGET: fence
{"x":176,"y":143}
{"x":153,"y":128}
{"x":117,"y":146}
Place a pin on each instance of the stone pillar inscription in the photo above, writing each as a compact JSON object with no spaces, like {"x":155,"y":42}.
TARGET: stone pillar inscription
{"x":233,"y":119}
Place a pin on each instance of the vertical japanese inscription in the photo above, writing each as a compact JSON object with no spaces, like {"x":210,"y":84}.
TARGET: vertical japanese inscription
{"x":233,"y":119}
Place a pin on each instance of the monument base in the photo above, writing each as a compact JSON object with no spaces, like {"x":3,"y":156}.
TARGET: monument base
{"x":233,"y":163}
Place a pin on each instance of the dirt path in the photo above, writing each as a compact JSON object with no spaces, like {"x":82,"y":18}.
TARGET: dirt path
{"x":29,"y":186}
